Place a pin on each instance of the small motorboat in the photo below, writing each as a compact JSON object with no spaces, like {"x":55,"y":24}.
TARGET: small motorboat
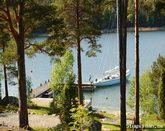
{"x":110,"y":77}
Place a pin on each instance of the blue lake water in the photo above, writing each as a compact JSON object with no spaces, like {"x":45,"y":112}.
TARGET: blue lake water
{"x":151,"y":45}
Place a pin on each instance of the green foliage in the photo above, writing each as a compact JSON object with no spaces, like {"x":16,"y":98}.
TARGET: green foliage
{"x":161,"y":96}
{"x":62,"y":71}
{"x":8,"y":56}
{"x":82,"y":119}
{"x":28,"y":88}
{"x":31,"y":105}
{"x":151,"y":89}
{"x":11,"y":99}
{"x":148,"y":100}
{"x":11,"y":107}
{"x":63,"y":87}
{"x":83,"y":27}
{"x":39,"y":110}
{"x":151,"y":13}
{"x":131,"y":98}
{"x":43,"y":15}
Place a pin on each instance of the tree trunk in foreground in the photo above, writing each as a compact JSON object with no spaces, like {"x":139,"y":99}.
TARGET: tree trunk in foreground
{"x":136,"y":65}
{"x":80,"y":93}
{"x":5,"y":80}
{"x":23,"y":113}
{"x":14,"y":19}
{"x":122,"y":20}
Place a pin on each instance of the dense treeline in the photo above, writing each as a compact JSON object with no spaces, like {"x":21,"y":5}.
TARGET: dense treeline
{"x":151,"y":14}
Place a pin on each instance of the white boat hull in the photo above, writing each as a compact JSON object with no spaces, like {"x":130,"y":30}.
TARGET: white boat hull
{"x":107,"y":82}
{"x":110,"y":81}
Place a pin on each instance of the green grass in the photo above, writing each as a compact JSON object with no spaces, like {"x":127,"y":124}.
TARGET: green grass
{"x":152,"y":120}
{"x":110,"y":126}
{"x":108,"y":115}
{"x":40,"y":110}
{"x":146,"y":120}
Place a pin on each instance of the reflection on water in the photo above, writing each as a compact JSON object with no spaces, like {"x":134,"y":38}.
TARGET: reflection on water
{"x":106,"y":98}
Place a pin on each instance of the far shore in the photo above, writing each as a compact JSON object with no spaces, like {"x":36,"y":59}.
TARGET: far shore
{"x":147,"y":29}
{"x":141,"y":29}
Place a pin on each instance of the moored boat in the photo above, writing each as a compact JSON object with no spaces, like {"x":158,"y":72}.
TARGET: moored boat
{"x":110,"y":77}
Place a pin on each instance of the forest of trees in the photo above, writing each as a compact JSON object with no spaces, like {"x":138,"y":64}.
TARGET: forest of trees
{"x":151,"y":14}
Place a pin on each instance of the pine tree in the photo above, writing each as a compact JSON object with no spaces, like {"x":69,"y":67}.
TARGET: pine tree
{"x":80,"y":18}
{"x":20,"y":18}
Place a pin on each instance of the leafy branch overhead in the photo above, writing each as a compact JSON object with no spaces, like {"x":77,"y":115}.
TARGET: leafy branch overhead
{"x":89,"y":29}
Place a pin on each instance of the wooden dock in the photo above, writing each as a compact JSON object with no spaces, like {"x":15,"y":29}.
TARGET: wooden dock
{"x":87,"y":87}
{"x":43,"y":91}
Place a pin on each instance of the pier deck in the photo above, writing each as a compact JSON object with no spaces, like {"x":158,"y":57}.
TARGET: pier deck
{"x":44,"y":91}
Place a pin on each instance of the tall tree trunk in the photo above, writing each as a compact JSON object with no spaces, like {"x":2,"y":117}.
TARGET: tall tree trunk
{"x":23,"y":114}
{"x":122,"y":21}
{"x":0,"y":89}
{"x":5,"y":80}
{"x":80,"y":93}
{"x":6,"y":86}
{"x":136,"y":64}
{"x":19,"y":38}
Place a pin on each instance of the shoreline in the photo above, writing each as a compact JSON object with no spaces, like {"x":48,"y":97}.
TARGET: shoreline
{"x":146,"y":29}
{"x":141,"y":29}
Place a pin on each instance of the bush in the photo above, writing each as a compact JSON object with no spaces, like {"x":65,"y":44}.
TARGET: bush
{"x":96,"y":126}
{"x":12,"y":100}
{"x":11,"y":107}
{"x":31,"y":105}
{"x":53,"y":108}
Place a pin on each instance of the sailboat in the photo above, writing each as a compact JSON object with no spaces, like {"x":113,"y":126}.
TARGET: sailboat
{"x":110,"y":77}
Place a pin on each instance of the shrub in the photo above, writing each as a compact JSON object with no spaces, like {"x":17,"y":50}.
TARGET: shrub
{"x":31,"y":105}
{"x":11,"y":107}
{"x":96,"y":126}
{"x":12,"y":100}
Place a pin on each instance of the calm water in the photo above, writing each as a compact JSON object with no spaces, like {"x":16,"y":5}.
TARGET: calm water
{"x":151,"y":45}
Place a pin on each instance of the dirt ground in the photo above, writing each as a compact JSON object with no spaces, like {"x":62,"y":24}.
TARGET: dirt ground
{"x":42,"y":121}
